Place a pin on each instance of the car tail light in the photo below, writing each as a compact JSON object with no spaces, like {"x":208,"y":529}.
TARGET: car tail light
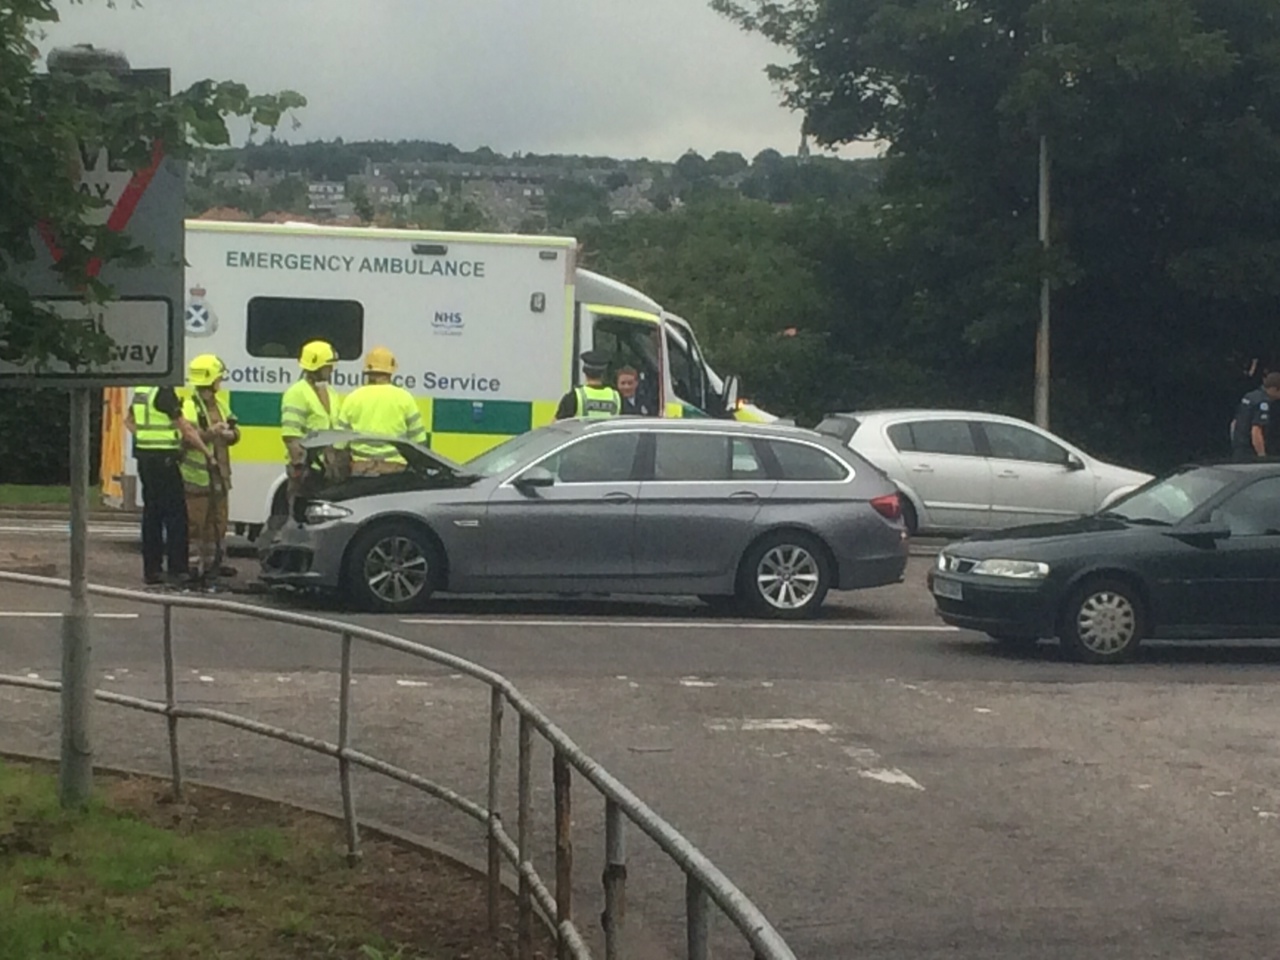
{"x":889,"y":506}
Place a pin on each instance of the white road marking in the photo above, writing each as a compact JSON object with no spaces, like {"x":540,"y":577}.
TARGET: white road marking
{"x":695,"y":682}
{"x":983,"y":710}
{"x":892,"y":776}
{"x":679,"y":624}
{"x":206,"y":679}
{"x":871,"y":768}
{"x":867,"y":762}
{"x":57,"y":614}
{"x":784,"y":724}
{"x":413,"y":683}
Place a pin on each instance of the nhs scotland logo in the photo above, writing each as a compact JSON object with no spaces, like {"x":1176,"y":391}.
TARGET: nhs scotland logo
{"x":448,"y":324}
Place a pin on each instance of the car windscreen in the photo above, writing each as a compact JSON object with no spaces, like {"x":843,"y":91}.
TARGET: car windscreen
{"x":1170,"y":500}
{"x":504,"y":456}
{"x":842,"y":428}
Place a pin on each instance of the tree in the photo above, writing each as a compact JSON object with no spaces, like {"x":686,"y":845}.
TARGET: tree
{"x":723,"y":164}
{"x":692,"y":167}
{"x":1165,"y":137}
{"x":745,"y":275}
{"x":571,"y":202}
{"x":290,"y":195}
{"x":41,"y":120}
{"x":359,"y":198}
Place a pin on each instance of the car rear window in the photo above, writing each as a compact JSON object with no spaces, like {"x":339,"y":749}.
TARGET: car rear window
{"x":842,"y":428}
{"x":800,"y":461}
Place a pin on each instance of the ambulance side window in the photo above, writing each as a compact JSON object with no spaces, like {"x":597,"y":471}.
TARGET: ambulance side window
{"x":277,"y":327}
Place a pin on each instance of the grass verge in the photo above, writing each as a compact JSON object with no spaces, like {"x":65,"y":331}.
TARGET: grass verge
{"x":137,"y":876}
{"x":37,"y":495}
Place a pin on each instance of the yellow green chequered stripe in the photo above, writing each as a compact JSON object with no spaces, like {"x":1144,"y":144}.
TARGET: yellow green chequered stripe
{"x":457,"y":429}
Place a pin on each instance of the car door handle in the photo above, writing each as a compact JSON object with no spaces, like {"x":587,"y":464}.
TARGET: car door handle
{"x":1007,"y":475}
{"x":619,"y":497}
{"x":744,"y":495}
{"x":922,"y":468}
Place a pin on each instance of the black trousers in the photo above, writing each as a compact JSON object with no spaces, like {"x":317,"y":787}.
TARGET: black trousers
{"x":164,"y":515}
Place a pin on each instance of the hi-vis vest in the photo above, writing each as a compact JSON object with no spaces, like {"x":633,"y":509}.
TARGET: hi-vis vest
{"x":301,"y":411}
{"x":155,"y":430}
{"x":195,"y":469}
{"x":383,"y":409}
{"x":598,"y":402}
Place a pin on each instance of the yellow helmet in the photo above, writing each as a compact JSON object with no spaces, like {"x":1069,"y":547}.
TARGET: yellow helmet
{"x":316,"y":355}
{"x":380,"y":360}
{"x":206,"y":370}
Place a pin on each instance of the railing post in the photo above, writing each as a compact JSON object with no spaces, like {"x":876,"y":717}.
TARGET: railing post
{"x":524,"y":839}
{"x":344,"y":765}
{"x":698,"y":924}
{"x":171,"y":703}
{"x":561,"y":776}
{"x":615,"y":880}
{"x":496,"y":703}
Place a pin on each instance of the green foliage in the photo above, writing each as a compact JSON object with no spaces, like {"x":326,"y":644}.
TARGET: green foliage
{"x":1163,"y":120}
{"x":42,"y":119}
{"x":289,"y":195}
{"x":574,"y":202}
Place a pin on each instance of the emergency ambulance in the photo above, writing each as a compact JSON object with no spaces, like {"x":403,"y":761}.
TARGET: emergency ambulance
{"x":487,"y":329}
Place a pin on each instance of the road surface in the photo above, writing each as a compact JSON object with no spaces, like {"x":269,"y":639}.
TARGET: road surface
{"x":879,"y":785}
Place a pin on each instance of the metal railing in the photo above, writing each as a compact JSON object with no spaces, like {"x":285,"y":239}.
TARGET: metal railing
{"x":705,"y":884}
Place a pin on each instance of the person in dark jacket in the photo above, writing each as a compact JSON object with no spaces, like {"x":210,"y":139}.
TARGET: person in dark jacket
{"x":1252,"y":425}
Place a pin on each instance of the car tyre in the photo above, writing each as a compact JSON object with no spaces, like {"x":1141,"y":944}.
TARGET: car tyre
{"x":784,"y":575}
{"x":1104,"y":621}
{"x":393,"y":568}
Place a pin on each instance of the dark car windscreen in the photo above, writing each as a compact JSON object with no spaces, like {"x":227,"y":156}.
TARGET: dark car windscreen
{"x":1170,"y":500}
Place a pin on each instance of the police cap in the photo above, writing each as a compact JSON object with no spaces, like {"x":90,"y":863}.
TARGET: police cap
{"x":595,"y":361}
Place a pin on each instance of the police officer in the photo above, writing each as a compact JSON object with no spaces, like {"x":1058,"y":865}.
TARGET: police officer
{"x":384,"y":409}
{"x":593,"y":399}
{"x":308,"y":406}
{"x":159,"y":431}
{"x":1252,"y":424}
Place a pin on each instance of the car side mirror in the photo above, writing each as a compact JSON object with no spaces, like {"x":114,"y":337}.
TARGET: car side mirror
{"x":1074,"y":463}
{"x":534,"y":478}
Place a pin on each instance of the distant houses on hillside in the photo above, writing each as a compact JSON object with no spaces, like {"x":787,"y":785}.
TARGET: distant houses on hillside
{"x":332,"y":182}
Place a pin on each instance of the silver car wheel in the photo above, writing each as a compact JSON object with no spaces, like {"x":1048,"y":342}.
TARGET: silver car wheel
{"x":788,"y":577}
{"x":396,"y":570}
{"x":1106,"y":623}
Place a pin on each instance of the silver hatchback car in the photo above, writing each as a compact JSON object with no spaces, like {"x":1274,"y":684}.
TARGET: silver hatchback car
{"x":770,"y":517}
{"x":961,"y":471}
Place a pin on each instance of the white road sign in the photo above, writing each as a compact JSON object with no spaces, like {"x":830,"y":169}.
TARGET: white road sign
{"x":142,"y":348}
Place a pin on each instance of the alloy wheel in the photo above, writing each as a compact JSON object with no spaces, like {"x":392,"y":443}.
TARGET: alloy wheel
{"x":788,"y":577}
{"x":396,"y":570}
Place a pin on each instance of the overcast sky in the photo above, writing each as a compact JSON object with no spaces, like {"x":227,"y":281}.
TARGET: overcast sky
{"x":624,"y":78}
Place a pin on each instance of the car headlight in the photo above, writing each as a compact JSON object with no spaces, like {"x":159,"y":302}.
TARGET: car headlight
{"x":324,"y":512}
{"x":942,"y":561}
{"x":1015,"y":569}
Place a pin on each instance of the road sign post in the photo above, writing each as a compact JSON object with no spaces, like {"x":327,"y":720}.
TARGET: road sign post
{"x":143,"y":325}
